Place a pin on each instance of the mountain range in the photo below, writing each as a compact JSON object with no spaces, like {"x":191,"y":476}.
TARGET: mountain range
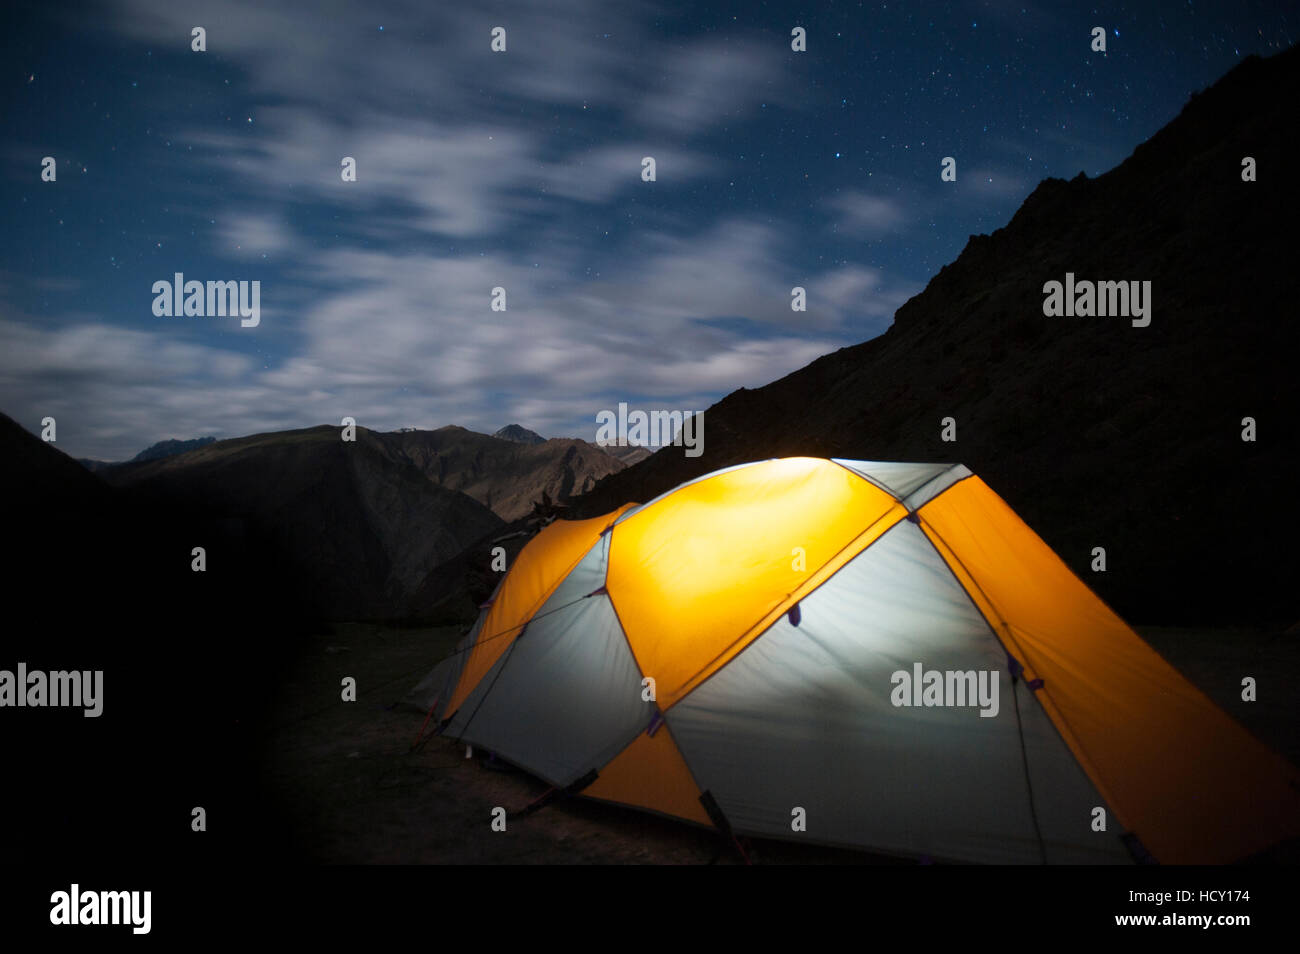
{"x":358,"y":525}
{"x":376,"y":528}
{"x":1100,"y":432}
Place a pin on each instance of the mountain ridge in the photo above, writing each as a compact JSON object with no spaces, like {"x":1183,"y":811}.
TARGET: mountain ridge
{"x":356,"y":528}
{"x":1096,"y":432}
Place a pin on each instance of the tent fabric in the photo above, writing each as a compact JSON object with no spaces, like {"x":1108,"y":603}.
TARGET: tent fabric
{"x":1166,"y":756}
{"x":740,"y":639}
{"x":572,"y":649}
{"x":580,"y":654}
{"x":689,"y":601}
{"x":885,"y":774}
{"x":538,"y":570}
{"x":912,"y":484}
{"x":651,"y":774}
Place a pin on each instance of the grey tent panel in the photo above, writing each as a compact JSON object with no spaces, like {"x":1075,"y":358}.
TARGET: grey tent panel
{"x":434,"y":688}
{"x":565,"y":698}
{"x":437,"y":686}
{"x":899,"y":479}
{"x":587,"y":576}
{"x":804,"y":718}
{"x":568,"y":697}
{"x":461,"y":718}
{"x":913,"y":484}
{"x":922,"y":495}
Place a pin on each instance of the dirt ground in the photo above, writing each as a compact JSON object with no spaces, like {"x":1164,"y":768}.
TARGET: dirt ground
{"x":353,"y":791}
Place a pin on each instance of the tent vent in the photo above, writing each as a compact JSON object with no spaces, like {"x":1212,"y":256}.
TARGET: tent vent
{"x":1016,"y":671}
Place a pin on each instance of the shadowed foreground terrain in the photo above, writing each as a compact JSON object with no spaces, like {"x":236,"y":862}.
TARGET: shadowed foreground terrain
{"x":352,"y":791}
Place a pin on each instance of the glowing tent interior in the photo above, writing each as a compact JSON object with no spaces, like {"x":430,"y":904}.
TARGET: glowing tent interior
{"x":781,"y":611}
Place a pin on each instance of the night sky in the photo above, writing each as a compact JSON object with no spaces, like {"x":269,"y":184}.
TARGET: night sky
{"x":522,"y":170}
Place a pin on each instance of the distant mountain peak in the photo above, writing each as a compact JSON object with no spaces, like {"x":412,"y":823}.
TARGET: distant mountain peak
{"x":519,"y":435}
{"x":169,"y":448}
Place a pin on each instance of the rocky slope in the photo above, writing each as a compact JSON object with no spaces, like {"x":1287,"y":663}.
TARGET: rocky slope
{"x":153,"y":452}
{"x":168,"y":448}
{"x":629,"y":454}
{"x":504,"y":475}
{"x":356,"y":528}
{"x":1097,"y":432}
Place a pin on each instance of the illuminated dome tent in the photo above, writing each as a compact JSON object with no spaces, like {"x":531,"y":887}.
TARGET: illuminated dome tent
{"x":871,"y":655}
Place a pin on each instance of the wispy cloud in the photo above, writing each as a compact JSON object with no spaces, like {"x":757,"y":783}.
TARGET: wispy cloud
{"x":251,"y":235}
{"x":411,"y":340}
{"x":862,"y":214}
{"x":475,"y":170}
{"x":707,"y":82}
